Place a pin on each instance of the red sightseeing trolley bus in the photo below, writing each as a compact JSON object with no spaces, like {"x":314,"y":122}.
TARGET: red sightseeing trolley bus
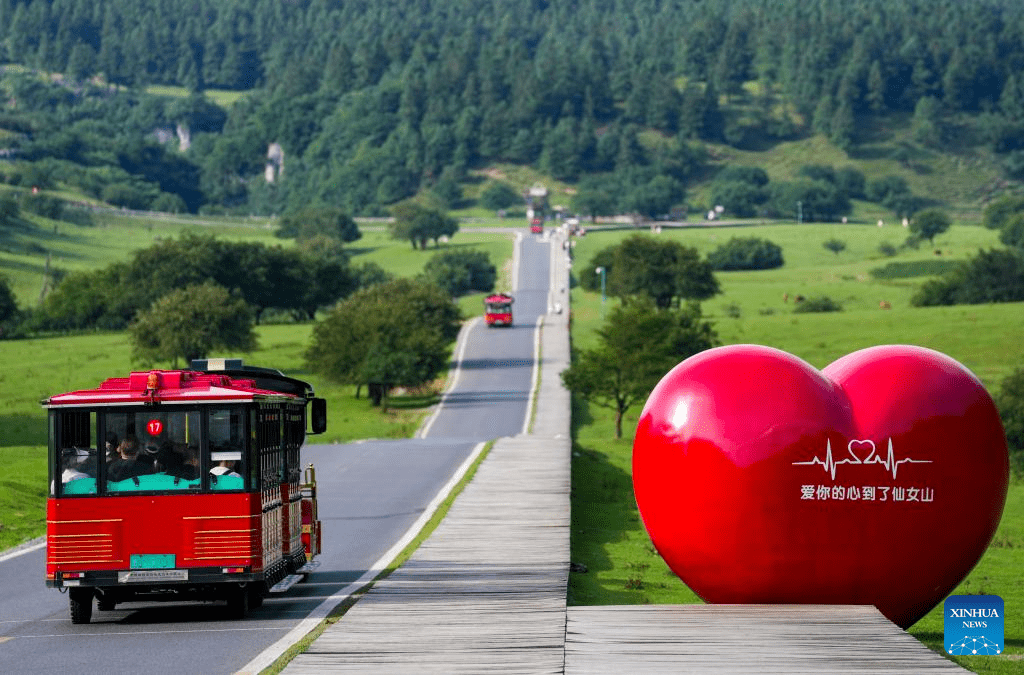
{"x":498,"y":309}
{"x":181,"y":484}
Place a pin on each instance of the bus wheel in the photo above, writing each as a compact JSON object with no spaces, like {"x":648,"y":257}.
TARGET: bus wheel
{"x":257,"y":590}
{"x":80,"y":600}
{"x":105,"y":603}
{"x":238,"y":601}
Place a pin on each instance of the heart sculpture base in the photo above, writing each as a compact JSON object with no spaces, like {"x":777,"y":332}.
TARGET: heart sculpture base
{"x":879,"y":480}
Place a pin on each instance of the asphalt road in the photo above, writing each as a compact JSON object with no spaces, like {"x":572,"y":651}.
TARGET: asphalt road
{"x":370,"y":494}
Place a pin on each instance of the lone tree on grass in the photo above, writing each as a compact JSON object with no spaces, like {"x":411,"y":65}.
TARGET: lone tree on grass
{"x":929,"y":223}
{"x":664,"y":271}
{"x":390,"y":334}
{"x":638,"y":345}
{"x":323,"y":221}
{"x":190,"y":323}
{"x":419,"y":224}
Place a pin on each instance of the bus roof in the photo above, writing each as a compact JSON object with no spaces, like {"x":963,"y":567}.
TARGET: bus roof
{"x":206,"y":382}
{"x":499,"y":297}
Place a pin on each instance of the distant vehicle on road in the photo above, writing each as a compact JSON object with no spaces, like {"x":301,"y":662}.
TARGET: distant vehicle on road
{"x":498,"y":309}
{"x":181,"y":485}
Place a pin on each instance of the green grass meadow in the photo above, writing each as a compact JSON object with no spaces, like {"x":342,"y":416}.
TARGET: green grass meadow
{"x":607,"y":534}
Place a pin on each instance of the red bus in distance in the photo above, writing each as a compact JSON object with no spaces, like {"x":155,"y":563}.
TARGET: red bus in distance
{"x":498,"y":309}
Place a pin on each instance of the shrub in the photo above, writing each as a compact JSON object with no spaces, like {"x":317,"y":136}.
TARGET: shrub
{"x":904,"y":204}
{"x":590,"y":278}
{"x":500,"y":195}
{"x":78,"y":215}
{"x":461,"y":272}
{"x":8,"y":304}
{"x":43,"y":205}
{"x":370,"y":274}
{"x":319,"y":220}
{"x":851,"y":181}
{"x":887,"y":249}
{"x":126,"y":195}
{"x":819,"y":201}
{"x":880,"y":189}
{"x":1010,"y":401}
{"x":9,"y":209}
{"x":913,"y":268}
{"x":169,"y":203}
{"x":448,"y":191}
{"x":1013,"y":165}
{"x":740,"y":199}
{"x":821,"y":303}
{"x":1012,"y":233}
{"x":996,"y":275}
{"x":998,"y":212}
{"x":834,"y":245}
{"x":822,"y":172}
{"x":752,"y":175}
{"x":746,"y":253}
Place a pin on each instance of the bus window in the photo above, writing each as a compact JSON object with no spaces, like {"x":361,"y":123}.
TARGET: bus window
{"x":154,"y":450}
{"x":227,"y":440}
{"x":76,"y":452}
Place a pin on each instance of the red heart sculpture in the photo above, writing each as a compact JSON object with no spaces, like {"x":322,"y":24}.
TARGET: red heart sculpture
{"x":879,"y":480}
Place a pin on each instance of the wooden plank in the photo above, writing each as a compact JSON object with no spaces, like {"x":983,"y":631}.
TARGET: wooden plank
{"x":742,"y":639}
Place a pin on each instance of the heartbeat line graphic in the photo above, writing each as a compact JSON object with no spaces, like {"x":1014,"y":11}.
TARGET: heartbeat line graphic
{"x":891,"y":464}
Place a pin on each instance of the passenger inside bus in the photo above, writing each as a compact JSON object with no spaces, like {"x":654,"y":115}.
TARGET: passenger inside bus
{"x":172,"y":461}
{"x":74,"y":477}
{"x":226,"y":468}
{"x":128,"y":465}
{"x":71,"y":464}
{"x":111,"y":446}
{"x":191,"y":468}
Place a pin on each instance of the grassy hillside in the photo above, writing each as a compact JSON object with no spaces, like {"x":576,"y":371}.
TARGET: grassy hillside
{"x":959,"y":176}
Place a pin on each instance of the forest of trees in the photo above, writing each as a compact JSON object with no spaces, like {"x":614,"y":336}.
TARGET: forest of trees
{"x":373,"y":102}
